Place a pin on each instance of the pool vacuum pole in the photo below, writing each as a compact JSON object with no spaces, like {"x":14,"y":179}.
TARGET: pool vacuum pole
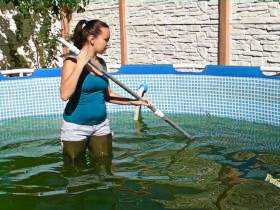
{"x":156,"y":111}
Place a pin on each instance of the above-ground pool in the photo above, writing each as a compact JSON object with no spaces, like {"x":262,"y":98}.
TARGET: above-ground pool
{"x":233,"y":113}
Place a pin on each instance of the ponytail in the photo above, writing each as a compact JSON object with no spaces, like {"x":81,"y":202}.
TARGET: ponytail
{"x":79,"y":36}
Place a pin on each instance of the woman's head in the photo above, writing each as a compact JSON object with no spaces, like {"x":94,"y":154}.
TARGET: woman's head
{"x":95,"y":32}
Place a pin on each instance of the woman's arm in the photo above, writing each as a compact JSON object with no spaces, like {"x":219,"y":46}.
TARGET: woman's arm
{"x":71,"y":72}
{"x":115,"y":98}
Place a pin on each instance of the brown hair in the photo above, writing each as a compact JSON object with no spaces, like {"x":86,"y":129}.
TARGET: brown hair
{"x":85,"y":28}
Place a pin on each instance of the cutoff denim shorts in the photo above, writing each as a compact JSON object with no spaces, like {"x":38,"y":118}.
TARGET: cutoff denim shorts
{"x":75,"y":132}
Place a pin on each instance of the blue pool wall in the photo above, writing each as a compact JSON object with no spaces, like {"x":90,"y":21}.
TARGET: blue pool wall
{"x":236,"y":92}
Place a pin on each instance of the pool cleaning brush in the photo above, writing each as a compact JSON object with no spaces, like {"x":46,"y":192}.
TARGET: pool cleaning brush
{"x":156,"y":111}
{"x":140,"y":92}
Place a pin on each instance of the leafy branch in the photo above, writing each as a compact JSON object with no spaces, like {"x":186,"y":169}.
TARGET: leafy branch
{"x":34,"y":21}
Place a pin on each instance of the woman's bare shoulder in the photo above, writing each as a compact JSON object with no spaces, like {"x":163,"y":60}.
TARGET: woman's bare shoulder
{"x":70,"y":59}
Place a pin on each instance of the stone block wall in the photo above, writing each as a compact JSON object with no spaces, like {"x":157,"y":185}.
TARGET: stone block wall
{"x":186,"y":31}
{"x":179,"y":31}
{"x":172,"y":31}
{"x":255,"y":33}
{"x":160,"y":31}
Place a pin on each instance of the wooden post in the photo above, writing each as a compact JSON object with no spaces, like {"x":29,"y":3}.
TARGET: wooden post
{"x":65,"y":16}
{"x":224,"y":32}
{"x":123,"y":40}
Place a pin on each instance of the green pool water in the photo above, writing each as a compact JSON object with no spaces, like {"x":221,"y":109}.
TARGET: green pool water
{"x":154,"y":167}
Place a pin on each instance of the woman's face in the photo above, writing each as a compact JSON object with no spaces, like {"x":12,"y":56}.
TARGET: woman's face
{"x":101,"y":41}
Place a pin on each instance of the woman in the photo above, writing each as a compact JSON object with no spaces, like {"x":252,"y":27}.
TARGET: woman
{"x":85,"y":123}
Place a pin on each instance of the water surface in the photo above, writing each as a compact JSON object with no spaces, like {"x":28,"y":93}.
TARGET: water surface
{"x":154,"y":166}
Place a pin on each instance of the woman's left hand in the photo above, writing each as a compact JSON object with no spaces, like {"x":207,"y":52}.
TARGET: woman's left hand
{"x":144,"y":102}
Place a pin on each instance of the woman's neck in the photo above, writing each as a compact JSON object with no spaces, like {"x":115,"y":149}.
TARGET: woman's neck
{"x":94,"y":59}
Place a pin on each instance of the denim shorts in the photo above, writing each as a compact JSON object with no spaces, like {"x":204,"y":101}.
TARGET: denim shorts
{"x":75,"y":132}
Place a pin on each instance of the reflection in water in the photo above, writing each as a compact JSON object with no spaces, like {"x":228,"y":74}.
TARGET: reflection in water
{"x":102,"y":166}
{"x":140,"y":126}
{"x":87,"y":173}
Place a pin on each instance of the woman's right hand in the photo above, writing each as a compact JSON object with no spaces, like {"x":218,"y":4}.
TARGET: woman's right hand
{"x":84,"y":56}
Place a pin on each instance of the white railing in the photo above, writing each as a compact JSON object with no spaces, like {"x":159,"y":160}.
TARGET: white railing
{"x":17,"y":72}
{"x":189,"y":67}
{"x":271,"y":71}
{"x":113,"y":67}
{"x":28,"y":72}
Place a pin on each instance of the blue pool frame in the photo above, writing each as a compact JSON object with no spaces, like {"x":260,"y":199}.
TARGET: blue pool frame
{"x":211,"y":70}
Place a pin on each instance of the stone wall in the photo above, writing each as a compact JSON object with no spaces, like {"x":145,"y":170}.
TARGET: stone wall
{"x":178,"y":31}
{"x":172,"y":31}
{"x":186,"y":31}
{"x":161,"y":31}
{"x":255,"y":36}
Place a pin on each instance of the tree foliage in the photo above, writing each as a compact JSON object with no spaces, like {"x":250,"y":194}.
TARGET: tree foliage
{"x":34,"y":19}
{"x":25,"y":7}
